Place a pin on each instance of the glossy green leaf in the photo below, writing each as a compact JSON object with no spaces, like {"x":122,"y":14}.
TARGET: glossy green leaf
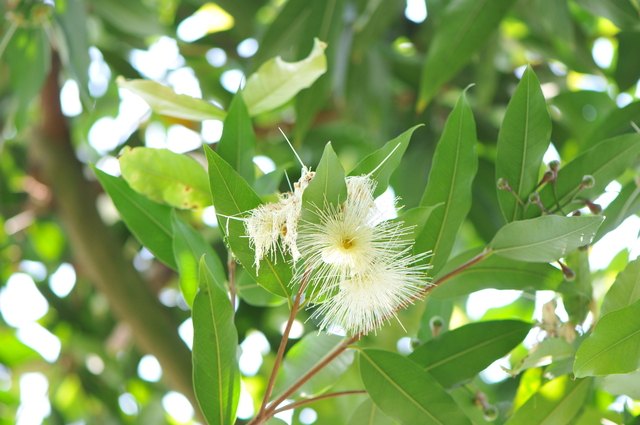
{"x":625,"y":205}
{"x":367,"y":413}
{"x":625,"y":290}
{"x":555,"y":403}
{"x":165,"y":176}
{"x":455,"y":163}
{"x":604,"y":161}
{"x":164,"y":101}
{"x":549,"y":351}
{"x":463,"y":29}
{"x":524,"y":138}
{"x":254,"y":294}
{"x":276,"y":81}
{"x":621,"y":12}
{"x":232,"y":197}
{"x":238,"y":142}
{"x":544,"y":239}
{"x":405,"y":392}
{"x":327,"y":187}
{"x":613,"y":346}
{"x":623,"y":384}
{"x":188,"y":248}
{"x":148,"y":221}
{"x":383,"y":162}
{"x":216,"y":375}
{"x":304,"y":355}
{"x":498,"y":273}
{"x":458,"y":355}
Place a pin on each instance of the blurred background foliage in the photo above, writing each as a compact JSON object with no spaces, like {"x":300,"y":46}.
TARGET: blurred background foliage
{"x":70,"y":346}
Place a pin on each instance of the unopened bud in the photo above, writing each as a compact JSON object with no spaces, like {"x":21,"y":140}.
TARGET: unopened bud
{"x":594,"y":208}
{"x":534,"y":197}
{"x":569,"y":274}
{"x":576,"y":213}
{"x":490,"y":413}
{"x":587,"y":182}
{"x":435,"y":324}
{"x":414,"y":343}
{"x":583,"y":248}
{"x":547,"y":176}
{"x":503,"y":184}
{"x":554,"y":165}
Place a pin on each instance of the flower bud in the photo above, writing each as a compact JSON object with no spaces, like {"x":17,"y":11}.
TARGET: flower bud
{"x":534,"y":197}
{"x":594,"y":208}
{"x":583,"y":248}
{"x":554,"y":165}
{"x":414,"y":343}
{"x":569,"y":274}
{"x":503,"y":184}
{"x":547,"y":176}
{"x":490,"y":413}
{"x":576,"y":213}
{"x":587,"y":182}
{"x":436,"y":324}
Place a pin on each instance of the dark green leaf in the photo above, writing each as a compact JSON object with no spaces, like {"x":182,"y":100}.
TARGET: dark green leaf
{"x":625,"y":205}
{"x":485,"y":213}
{"x":269,"y":183}
{"x":620,"y":12}
{"x":405,"y":392}
{"x":458,"y":355}
{"x":238,"y":142}
{"x":544,"y":239}
{"x":625,"y":290}
{"x":617,"y":121}
{"x":463,"y":30}
{"x":391,"y":153}
{"x":613,"y":346}
{"x":416,"y":218}
{"x":72,"y":19}
{"x":524,"y":138}
{"x":627,"y":70}
{"x":215,"y":343}
{"x":367,"y":413}
{"x":328,"y":187}
{"x":148,"y":221}
{"x":131,"y":17}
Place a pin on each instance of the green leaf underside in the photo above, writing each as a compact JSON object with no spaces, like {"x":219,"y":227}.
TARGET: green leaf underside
{"x":545,"y":238}
{"x":276,"y":81}
{"x":328,"y":187}
{"x":613,"y":346}
{"x":164,"y":101}
{"x":304,"y":355}
{"x":189,"y":246}
{"x":384,"y":170}
{"x":625,"y":290}
{"x":237,"y":144}
{"x":405,"y":392}
{"x":165,"y":176}
{"x":215,"y":342}
{"x":455,"y":164}
{"x":458,"y":355}
{"x":232,"y":197}
{"x":498,"y":273}
{"x":523,"y":139}
{"x":623,"y":384}
{"x":556,"y":402}
{"x":149,"y":221}
{"x":367,"y":413}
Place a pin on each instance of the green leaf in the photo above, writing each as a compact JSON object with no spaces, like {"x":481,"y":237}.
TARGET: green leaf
{"x":406,"y":393}
{"x":367,"y":413}
{"x":551,"y":350}
{"x":391,"y":153}
{"x":304,"y":355}
{"x":238,"y":142}
{"x":232,"y":197}
{"x":463,"y":29}
{"x":625,"y":205}
{"x":621,"y":12}
{"x":578,"y":293}
{"x":604,"y":161}
{"x":467,"y":401}
{"x":627,"y":70}
{"x":327,"y":187}
{"x":524,"y":138}
{"x":148,"y":221}
{"x":435,"y":308}
{"x":130,"y":17}
{"x":164,"y":101}
{"x":557,"y":402}
{"x":625,"y":290}
{"x":188,"y":248}
{"x":544,"y":239}
{"x":416,"y":218}
{"x":165,"y":176}
{"x":613,"y":346}
{"x":269,"y":183}
{"x":455,"y":163}
{"x":623,"y":384}
{"x":71,"y":17}
{"x":276,"y":81}
{"x":254,"y":294}
{"x":617,"y":121}
{"x":215,"y":344}
{"x":498,"y":273}
{"x":458,"y":355}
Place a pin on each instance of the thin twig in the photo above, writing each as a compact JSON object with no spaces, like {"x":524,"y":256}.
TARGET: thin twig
{"x":320,"y":397}
{"x":484,"y":254}
{"x":233,"y":290}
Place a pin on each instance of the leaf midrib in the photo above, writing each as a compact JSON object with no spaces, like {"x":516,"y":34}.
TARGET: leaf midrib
{"x":514,"y":248}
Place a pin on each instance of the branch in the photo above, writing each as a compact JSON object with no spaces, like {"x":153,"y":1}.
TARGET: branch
{"x":321,"y":397}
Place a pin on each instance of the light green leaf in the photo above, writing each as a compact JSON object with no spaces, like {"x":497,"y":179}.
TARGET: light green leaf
{"x":625,"y":205}
{"x":367,"y":413}
{"x":130,"y":17}
{"x":269,"y":183}
{"x":455,"y":163}
{"x":232,"y":197}
{"x":164,"y":101}
{"x":165,"y":176}
{"x":578,"y":293}
{"x":416,"y":218}
{"x":523,"y":139}
{"x":328,"y":187}
{"x":406,"y":393}
{"x":613,"y":346}
{"x":216,"y":374}
{"x":544,"y":239}
{"x":498,"y":273}
{"x":463,"y":29}
{"x":189,"y":247}
{"x":555,"y":403}
{"x":625,"y":290}
{"x":458,"y":355}
{"x":148,"y":221}
{"x":304,"y":355}
{"x":238,"y":142}
{"x":391,"y":153}
{"x":277,"y":81}
{"x":551,"y":350}
{"x":624,"y":384}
